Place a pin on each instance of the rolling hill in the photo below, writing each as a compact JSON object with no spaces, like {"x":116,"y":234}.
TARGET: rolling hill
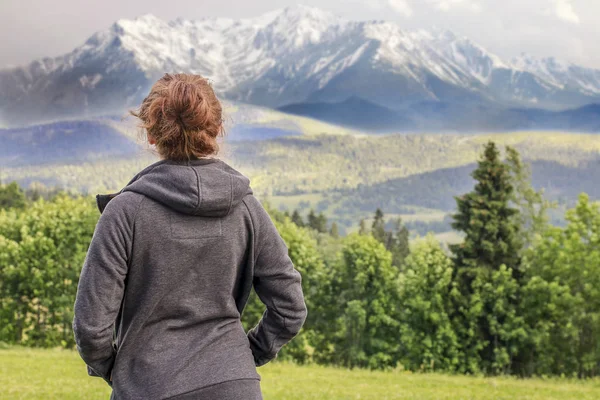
{"x":443,"y":117}
{"x":346,"y":175}
{"x":64,"y":143}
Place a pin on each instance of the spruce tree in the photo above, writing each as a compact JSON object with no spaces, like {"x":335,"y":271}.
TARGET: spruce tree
{"x":312,"y":219}
{"x":321,"y":223}
{"x":334,"y":231}
{"x":378,"y":227}
{"x":491,"y":248}
{"x":362,"y":230}
{"x":533,"y":208}
{"x":297,"y":218}
{"x":400,"y":244}
{"x":395,"y":241}
{"x":487,"y":219}
{"x":317,"y":222}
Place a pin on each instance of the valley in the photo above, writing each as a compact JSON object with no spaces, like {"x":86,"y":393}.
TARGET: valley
{"x":345,"y":174}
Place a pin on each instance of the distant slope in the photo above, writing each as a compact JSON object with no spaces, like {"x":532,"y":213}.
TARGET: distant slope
{"x":356,"y":113}
{"x":242,"y":117}
{"x":448,"y":117}
{"x":87,"y":140}
{"x":287,"y":166}
{"x":63,"y":143}
{"x":436,"y":189}
{"x":347,"y":176}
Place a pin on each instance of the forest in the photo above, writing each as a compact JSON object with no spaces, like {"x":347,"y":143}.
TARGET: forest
{"x":517,"y":295}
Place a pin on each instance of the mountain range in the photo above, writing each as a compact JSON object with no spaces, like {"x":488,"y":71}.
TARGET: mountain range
{"x":310,"y":62}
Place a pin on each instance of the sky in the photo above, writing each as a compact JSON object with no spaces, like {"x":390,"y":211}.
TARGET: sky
{"x":566,"y":29}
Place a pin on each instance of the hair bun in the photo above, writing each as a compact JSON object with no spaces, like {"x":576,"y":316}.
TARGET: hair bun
{"x":183,"y":115}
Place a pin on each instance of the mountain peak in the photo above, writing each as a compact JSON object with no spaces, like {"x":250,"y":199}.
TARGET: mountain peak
{"x":307,"y":11}
{"x":300,"y":13}
{"x":527,"y":61}
{"x":287,"y":56}
{"x":294,"y":26}
{"x":148,"y":18}
{"x":142,"y":20}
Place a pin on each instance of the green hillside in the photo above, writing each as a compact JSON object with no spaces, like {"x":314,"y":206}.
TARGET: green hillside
{"x":307,"y":164}
{"x":348,"y":176}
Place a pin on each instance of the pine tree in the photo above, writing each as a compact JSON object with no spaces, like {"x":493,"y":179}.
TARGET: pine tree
{"x":312,"y":219}
{"x":533,"y":208}
{"x":378,"y":227}
{"x":297,"y":218}
{"x":399,"y":243}
{"x":317,"y":222}
{"x":362,"y":230}
{"x":321,"y":223}
{"x":395,"y":241}
{"x":486,"y":218}
{"x":334,"y":231}
{"x":491,"y":250}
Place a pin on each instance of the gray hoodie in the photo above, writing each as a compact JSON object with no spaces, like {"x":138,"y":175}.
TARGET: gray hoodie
{"x":167,"y":275}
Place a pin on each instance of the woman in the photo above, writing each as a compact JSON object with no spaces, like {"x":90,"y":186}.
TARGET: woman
{"x":172,"y":262}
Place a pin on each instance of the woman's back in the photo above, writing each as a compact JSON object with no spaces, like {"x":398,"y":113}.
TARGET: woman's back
{"x":171,"y":265}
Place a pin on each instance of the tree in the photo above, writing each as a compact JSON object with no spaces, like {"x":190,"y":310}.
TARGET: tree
{"x":365,"y":292}
{"x":395,"y":241}
{"x":297,"y":219}
{"x":322,"y":223}
{"x":487,"y":220}
{"x":532,"y":217}
{"x":399,"y":246}
{"x":11,"y":196}
{"x":427,"y":335}
{"x":378,"y":227}
{"x":317,"y":222}
{"x":501,"y":321}
{"x":491,"y":246}
{"x":562,"y":296}
{"x":334,"y":231}
{"x":362,"y":229}
{"x":42,"y":248}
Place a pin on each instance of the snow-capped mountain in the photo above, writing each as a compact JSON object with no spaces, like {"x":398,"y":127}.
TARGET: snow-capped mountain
{"x":562,"y":74}
{"x":294,"y":55}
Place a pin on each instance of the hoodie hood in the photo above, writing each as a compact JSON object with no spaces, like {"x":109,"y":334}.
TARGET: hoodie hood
{"x":204,"y":187}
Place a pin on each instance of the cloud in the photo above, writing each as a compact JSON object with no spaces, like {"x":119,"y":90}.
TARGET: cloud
{"x":563,"y":9}
{"x":401,"y":7}
{"x":405,"y":7}
{"x":448,"y":5}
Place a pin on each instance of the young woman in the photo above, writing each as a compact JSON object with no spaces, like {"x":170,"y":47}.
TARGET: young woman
{"x":172,"y":262}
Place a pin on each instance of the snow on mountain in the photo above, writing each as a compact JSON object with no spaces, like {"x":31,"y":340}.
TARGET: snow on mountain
{"x":471,"y":59}
{"x":561,"y":74}
{"x":293,"y":55}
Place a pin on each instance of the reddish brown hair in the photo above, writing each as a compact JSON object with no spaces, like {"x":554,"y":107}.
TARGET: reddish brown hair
{"x":184,"y":116}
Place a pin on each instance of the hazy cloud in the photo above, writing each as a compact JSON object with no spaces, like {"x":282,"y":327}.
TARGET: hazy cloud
{"x":564,"y":10}
{"x":449,"y":5}
{"x":402,"y":7}
{"x":567,"y":29}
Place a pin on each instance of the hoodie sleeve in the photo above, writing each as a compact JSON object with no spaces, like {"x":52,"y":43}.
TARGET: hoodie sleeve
{"x":278,"y":285}
{"x":101,"y":286}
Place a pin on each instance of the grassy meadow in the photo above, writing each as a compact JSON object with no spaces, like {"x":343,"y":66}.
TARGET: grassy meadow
{"x":60,"y":374}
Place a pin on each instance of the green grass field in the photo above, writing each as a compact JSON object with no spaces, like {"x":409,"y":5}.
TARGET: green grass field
{"x":60,"y":374}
